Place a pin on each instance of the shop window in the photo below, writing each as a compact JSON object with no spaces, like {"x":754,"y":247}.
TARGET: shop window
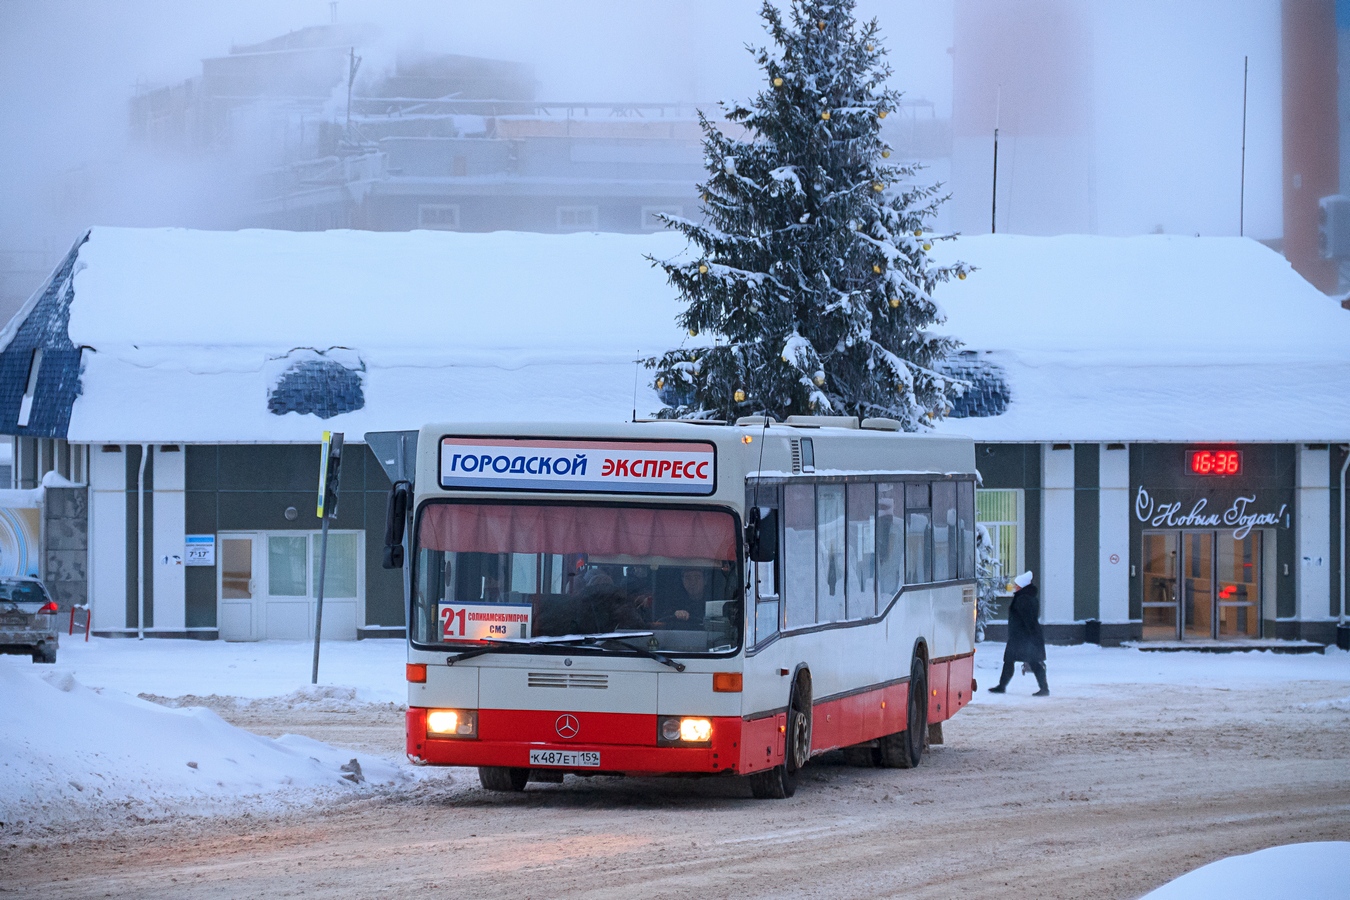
{"x":444,"y":216}
{"x":577,"y":218}
{"x":340,"y":570}
{"x":1000,"y":511}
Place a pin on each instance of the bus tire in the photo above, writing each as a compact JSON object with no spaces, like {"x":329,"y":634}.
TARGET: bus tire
{"x":503,"y":778}
{"x":780,"y":782}
{"x":904,"y":749}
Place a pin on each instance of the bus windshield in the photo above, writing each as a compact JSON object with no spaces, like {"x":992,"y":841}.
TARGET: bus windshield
{"x":505,"y":571}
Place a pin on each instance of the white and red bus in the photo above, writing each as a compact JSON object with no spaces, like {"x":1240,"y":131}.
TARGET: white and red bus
{"x":682,"y":598}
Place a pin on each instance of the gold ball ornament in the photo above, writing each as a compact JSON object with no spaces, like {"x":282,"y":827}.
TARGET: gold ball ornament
{"x":878,"y":186}
{"x":702,"y":269}
{"x":961,"y":275}
{"x":885,"y":154}
{"x":918,"y":232}
{"x":819,"y":380}
{"x":778,"y":82}
{"x":739,"y":396}
{"x":693,"y":332}
{"x":876,"y":269}
{"x":870,"y":48}
{"x":821,"y":24}
{"x":927,"y":246}
{"x":825,"y":115}
{"x":895,"y":303}
{"x":660,"y":383}
{"x":785,"y":359}
{"x":882,"y":114}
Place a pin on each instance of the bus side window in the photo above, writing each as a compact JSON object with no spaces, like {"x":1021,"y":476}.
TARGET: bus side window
{"x":890,"y":541}
{"x":767,"y":605}
{"x":799,"y":555}
{"x":918,"y":533}
{"x":945,"y":539}
{"x":965,"y":518}
{"x":860,"y":595}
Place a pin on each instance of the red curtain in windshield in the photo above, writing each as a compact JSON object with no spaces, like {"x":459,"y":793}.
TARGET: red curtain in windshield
{"x":603,"y":531}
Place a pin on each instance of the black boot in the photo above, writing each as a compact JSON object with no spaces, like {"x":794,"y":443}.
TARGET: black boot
{"x":1038,"y":669}
{"x":1004,"y":677}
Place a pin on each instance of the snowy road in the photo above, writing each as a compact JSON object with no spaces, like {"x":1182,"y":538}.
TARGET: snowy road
{"x":1118,"y":783}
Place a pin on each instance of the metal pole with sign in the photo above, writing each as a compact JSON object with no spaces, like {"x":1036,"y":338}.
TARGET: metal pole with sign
{"x":330,"y":471}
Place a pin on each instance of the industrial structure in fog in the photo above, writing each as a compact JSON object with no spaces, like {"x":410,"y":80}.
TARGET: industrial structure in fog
{"x":441,"y":142}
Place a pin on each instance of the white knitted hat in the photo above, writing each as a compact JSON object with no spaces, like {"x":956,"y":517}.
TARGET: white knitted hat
{"x":1023,"y":580}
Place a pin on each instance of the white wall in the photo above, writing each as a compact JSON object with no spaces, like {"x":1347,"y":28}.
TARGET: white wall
{"x":107,"y":539}
{"x":1312,"y":533}
{"x":169,"y":524}
{"x":1113,"y":479}
{"x":1056,"y":579}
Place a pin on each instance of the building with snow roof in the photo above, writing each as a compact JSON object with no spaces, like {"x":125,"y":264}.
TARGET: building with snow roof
{"x":1160,"y":420}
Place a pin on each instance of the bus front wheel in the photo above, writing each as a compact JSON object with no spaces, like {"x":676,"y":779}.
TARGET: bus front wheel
{"x":503,"y":778}
{"x":904,"y":749}
{"x":780,"y":782}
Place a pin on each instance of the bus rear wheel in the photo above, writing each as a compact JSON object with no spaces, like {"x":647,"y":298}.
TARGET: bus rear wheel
{"x":503,"y":778}
{"x":904,"y":749}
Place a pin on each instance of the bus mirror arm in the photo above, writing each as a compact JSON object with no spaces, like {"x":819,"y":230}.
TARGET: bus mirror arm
{"x":761,"y":534}
{"x":395,"y":524}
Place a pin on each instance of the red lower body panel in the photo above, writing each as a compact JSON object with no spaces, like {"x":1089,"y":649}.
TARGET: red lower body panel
{"x":626,"y":742}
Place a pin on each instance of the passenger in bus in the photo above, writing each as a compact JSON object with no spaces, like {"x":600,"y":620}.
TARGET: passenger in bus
{"x":599,"y":606}
{"x":681,"y":605}
{"x":1026,"y":643}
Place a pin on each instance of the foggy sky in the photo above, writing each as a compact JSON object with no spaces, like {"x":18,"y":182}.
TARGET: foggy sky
{"x":1166,"y":88}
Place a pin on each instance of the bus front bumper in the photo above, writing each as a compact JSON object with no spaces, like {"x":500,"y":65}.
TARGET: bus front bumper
{"x":626,"y":744}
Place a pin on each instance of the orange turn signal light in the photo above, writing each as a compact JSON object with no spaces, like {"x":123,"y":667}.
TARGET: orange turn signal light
{"x":417,"y":673}
{"x":727,"y":682}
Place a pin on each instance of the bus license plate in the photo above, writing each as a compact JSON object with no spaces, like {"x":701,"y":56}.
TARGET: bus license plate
{"x":571,"y":759}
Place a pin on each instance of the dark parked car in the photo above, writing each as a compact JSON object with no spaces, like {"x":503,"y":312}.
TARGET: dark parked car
{"x":27,"y":619}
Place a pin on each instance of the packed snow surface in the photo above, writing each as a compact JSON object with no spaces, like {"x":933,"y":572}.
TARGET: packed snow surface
{"x":74,"y":737}
{"x":1099,"y":338}
{"x":1315,"y":871}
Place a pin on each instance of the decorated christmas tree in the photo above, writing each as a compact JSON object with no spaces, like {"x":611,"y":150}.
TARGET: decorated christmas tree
{"x":809,"y":283}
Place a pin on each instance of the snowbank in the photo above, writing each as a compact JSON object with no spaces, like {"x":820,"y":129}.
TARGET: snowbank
{"x":1314,"y":871}
{"x":69,"y":752}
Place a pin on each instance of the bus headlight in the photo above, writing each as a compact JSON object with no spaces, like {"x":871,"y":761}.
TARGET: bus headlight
{"x":684,"y":730}
{"x":452,"y":723}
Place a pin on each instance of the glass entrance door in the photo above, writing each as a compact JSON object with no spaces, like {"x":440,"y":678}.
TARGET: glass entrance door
{"x":1197,"y":555}
{"x":1239,"y":583}
{"x":1201,"y":585}
{"x":1161,"y":565}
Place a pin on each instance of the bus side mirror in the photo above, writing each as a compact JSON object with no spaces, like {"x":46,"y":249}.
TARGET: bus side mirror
{"x":395,"y":523}
{"x":761,"y":534}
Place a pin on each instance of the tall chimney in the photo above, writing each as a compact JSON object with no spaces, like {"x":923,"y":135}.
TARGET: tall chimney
{"x":1311,"y":152}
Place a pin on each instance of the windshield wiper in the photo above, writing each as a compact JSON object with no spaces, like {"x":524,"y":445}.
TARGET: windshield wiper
{"x":597,"y":641}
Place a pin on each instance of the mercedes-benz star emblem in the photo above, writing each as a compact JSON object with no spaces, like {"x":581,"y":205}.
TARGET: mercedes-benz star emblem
{"x":567,"y":727}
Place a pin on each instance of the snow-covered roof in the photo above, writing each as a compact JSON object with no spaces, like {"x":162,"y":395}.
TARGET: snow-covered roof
{"x":272,"y":336}
{"x":1159,"y":338}
{"x":202,"y":336}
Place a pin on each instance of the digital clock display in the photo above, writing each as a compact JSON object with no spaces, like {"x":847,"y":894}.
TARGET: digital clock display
{"x":1216,"y":462}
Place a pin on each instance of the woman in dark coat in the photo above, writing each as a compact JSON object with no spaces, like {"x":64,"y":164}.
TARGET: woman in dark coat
{"x":1026,"y":643}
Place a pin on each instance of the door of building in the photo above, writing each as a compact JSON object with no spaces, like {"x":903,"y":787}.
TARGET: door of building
{"x":237,"y":610}
{"x":269,"y":585}
{"x":1201,"y":585}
